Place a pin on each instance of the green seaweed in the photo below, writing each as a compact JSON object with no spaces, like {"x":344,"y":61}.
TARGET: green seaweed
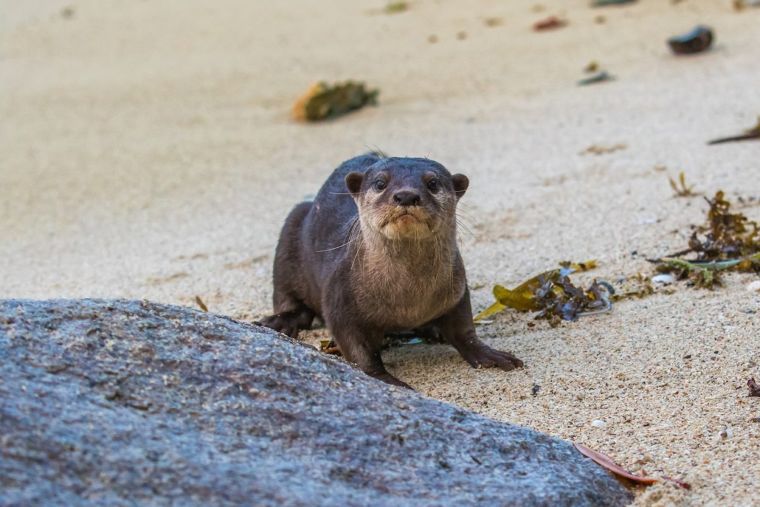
{"x":553,"y":295}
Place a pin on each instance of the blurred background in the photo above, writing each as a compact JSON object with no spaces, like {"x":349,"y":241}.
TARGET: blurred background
{"x":146,"y":145}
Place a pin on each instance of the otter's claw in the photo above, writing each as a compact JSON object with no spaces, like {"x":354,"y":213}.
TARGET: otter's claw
{"x":486,"y":357}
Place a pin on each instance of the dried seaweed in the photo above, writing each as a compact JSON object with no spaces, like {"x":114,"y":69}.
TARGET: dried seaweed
{"x":726,"y":236}
{"x":680,"y":188}
{"x":637,"y":286}
{"x":329,"y":347}
{"x":553,"y":295}
{"x":323,"y":101}
{"x":728,"y":241}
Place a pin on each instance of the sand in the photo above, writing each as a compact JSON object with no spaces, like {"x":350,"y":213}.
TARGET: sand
{"x":146,"y":151}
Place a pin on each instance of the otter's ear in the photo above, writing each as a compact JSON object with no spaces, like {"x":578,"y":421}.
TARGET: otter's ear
{"x":354,"y":182}
{"x":461,"y":182}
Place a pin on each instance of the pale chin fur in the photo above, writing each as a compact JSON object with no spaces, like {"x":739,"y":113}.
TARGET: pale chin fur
{"x":412,"y":229}
{"x":407,"y":225}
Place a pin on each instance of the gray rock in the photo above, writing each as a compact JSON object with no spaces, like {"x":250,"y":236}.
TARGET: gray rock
{"x":124,"y":403}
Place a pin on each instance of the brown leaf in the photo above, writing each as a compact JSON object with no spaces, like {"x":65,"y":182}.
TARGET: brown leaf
{"x":606,"y":462}
{"x":550,"y":23}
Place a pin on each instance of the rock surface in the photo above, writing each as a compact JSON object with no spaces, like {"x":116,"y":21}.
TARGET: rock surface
{"x":121,"y":402}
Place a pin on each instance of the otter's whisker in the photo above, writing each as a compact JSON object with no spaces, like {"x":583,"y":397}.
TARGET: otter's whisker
{"x":464,"y":215}
{"x":335,"y":247}
{"x":464,"y":229}
{"x":353,"y":235}
{"x":464,"y":209}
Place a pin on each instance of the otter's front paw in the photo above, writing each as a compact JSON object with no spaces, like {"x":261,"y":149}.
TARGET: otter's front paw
{"x":285,"y":323}
{"x":486,"y":357}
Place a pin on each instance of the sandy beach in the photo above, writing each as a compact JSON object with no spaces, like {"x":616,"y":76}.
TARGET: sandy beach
{"x":147,"y":151}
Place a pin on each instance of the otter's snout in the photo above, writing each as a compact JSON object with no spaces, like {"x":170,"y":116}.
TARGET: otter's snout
{"x":407,"y":198}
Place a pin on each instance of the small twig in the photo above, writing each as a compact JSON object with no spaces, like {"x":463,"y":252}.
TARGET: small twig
{"x":675,"y":254}
{"x":201,"y":304}
{"x":749,"y":134}
{"x":732,"y":139}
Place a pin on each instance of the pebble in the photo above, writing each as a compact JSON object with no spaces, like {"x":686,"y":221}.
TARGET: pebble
{"x":598,"y":423}
{"x":664,"y":279}
{"x":754,"y":286}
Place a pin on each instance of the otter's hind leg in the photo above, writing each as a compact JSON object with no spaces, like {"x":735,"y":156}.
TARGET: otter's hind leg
{"x":291,"y":313}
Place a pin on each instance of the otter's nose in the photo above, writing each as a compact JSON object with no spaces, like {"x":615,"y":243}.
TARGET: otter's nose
{"x":406,"y":198}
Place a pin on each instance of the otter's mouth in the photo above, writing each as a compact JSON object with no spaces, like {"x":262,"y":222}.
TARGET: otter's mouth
{"x":404,"y":222}
{"x":406,"y":218}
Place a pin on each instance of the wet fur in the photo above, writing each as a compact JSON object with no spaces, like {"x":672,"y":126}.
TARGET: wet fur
{"x":350,"y":258}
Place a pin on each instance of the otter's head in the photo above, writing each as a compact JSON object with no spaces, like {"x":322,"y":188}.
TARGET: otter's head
{"x":407,"y":198}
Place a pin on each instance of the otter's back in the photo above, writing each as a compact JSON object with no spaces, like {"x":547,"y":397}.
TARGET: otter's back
{"x":327,"y":227}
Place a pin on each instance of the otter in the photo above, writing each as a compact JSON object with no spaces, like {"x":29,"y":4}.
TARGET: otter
{"x":376,"y":253}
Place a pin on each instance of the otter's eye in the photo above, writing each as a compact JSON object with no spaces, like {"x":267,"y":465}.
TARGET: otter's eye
{"x":433,"y":185}
{"x":379,"y":185}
